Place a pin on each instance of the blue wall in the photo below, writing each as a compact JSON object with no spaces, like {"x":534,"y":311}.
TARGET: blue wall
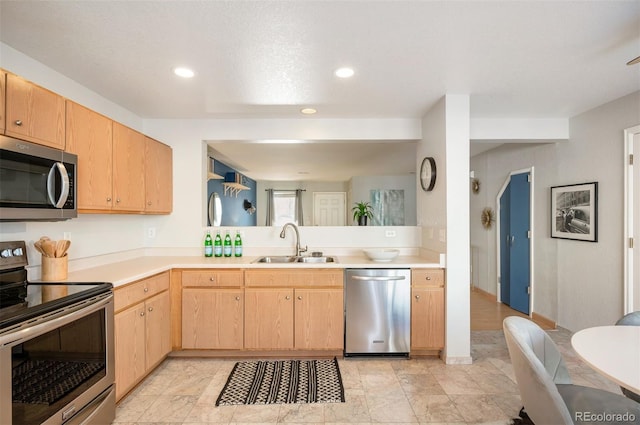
{"x":233,"y":213}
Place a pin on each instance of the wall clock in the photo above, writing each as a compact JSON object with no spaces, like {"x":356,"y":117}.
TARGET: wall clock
{"x":428,"y":174}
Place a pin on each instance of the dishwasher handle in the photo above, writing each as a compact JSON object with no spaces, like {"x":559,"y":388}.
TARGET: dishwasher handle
{"x":378,"y":278}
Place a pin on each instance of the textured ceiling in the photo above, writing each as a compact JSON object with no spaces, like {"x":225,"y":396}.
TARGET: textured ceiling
{"x":268,"y":59}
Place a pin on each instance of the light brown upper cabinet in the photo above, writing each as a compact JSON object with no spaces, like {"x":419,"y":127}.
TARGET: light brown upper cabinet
{"x":3,"y":85}
{"x":158,"y":177}
{"x":34,"y":113}
{"x":128,"y":169}
{"x":89,"y":135}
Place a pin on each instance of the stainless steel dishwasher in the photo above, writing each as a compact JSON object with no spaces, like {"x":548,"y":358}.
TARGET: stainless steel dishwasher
{"x":377,"y":311}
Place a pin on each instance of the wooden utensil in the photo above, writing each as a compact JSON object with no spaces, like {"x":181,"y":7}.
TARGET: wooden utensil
{"x":49,"y":248}
{"x":61,"y":247}
{"x":38,"y":246}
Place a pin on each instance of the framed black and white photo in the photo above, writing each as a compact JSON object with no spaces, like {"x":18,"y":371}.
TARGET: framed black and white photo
{"x":574,"y":212}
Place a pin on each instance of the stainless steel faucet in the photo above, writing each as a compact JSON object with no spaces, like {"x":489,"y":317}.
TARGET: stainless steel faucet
{"x":299,"y":250}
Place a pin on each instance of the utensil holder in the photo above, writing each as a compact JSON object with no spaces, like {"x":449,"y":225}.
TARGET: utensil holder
{"x":54,"y":268}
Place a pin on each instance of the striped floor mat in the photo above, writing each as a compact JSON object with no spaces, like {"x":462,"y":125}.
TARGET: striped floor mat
{"x":283,"y":381}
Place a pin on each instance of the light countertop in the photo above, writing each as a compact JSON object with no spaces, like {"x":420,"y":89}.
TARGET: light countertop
{"x":123,"y":272}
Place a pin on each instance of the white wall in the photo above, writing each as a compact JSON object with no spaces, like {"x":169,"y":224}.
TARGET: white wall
{"x":578,"y":284}
{"x":590,"y":275}
{"x":444,"y":213}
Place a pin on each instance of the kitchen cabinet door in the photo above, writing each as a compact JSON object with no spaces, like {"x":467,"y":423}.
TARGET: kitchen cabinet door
{"x":212,"y":318}
{"x":3,"y":85}
{"x":128,"y":169}
{"x":34,"y":113}
{"x":129,"y":348}
{"x":427,"y":318}
{"x":89,"y":135}
{"x":158,"y":177}
{"x":158,"y":329}
{"x":319,"y":319}
{"x":268,"y":318}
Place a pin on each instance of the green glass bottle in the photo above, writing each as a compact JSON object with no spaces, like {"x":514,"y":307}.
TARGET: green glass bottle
{"x":208,"y":245}
{"x":227,"y":248}
{"x":237,"y":245}
{"x":217,"y":245}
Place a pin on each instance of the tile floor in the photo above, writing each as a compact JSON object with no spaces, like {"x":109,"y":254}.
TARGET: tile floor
{"x":184,"y":391}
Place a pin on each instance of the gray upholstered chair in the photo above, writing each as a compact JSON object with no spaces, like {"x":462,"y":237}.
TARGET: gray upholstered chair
{"x":631,"y":319}
{"x":544,"y":383}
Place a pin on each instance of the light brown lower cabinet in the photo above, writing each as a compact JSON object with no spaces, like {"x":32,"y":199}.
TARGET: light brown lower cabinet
{"x":212,"y":318}
{"x":142,"y":329}
{"x":427,"y":309}
{"x":307,"y":316}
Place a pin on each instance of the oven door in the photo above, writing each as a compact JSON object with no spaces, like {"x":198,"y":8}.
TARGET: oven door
{"x":59,"y":367}
{"x":36,"y":182}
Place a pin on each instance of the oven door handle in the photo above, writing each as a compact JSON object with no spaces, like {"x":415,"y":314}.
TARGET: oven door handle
{"x":51,"y":184}
{"x":32,"y":330}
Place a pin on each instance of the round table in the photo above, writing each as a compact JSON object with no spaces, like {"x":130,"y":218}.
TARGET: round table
{"x":614,"y":351}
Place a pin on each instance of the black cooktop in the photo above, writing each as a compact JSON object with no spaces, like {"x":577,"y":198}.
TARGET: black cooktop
{"x":21,"y":300}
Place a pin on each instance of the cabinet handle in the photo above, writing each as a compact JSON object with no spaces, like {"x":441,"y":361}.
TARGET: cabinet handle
{"x":109,"y":199}
{"x":150,"y":308}
{"x":18,"y":123}
{"x":417,"y":297}
{"x":118,"y":200}
{"x":299,"y":297}
{"x":287,"y":297}
{"x":141,"y":313}
{"x":146,"y":289}
{"x":212,"y":279}
{"x":149,"y":203}
{"x":428,"y":278}
{"x":237,"y":298}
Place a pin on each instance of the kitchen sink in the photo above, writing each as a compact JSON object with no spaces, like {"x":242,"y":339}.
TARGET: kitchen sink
{"x":294,"y":259}
{"x":317,"y":260}
{"x":277,"y":259}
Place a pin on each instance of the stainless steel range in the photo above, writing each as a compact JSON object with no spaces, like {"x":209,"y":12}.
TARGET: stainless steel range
{"x":56,"y":348}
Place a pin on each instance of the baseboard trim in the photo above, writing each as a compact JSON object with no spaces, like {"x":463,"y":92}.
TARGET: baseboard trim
{"x":540,"y":319}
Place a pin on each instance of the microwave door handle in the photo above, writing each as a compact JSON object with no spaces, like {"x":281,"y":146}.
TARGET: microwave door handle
{"x":51,"y":185}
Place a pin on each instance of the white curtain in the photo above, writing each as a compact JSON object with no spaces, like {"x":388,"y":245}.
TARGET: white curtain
{"x":271,"y":215}
{"x":299,"y":216}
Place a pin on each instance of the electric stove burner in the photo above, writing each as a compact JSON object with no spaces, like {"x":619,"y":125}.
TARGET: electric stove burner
{"x":22,"y":300}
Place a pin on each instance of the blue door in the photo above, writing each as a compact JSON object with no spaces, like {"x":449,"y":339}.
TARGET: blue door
{"x":515,"y":207}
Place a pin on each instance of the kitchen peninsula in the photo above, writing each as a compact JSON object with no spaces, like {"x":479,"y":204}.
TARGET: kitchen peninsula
{"x":197,"y":306}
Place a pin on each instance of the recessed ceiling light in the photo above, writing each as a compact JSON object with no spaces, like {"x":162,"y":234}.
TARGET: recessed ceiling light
{"x":344,"y":72}
{"x":308,"y":111}
{"x":183,"y":72}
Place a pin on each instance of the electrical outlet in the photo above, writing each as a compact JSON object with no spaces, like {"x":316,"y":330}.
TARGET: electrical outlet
{"x":390,"y":233}
{"x":151,"y":232}
{"x":66,"y":235}
{"x":443,"y":235}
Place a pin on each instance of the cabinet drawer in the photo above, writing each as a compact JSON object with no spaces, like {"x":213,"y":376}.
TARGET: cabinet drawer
{"x":428,"y":277}
{"x":135,"y":292}
{"x":294,"y":278}
{"x":215,"y":278}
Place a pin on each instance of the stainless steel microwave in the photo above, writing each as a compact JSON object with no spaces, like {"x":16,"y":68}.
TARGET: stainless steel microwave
{"x":36,"y":182}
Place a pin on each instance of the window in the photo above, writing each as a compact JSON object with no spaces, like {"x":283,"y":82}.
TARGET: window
{"x":284,"y":207}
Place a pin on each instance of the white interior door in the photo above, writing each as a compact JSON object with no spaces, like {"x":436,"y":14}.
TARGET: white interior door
{"x":636,"y":222}
{"x":632,"y":221}
{"x":329,"y":208}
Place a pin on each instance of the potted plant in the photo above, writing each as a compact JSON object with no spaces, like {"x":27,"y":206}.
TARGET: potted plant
{"x":361,"y":212}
